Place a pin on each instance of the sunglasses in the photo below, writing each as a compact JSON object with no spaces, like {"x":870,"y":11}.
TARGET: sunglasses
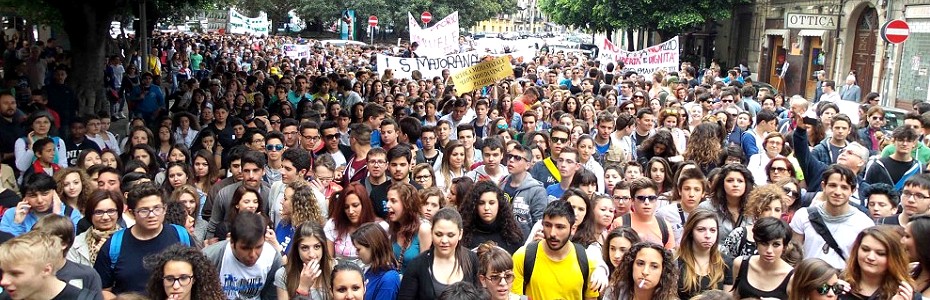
{"x":726,"y":101}
{"x":502,"y":126}
{"x":779,"y":169}
{"x":332,"y":136}
{"x":647,"y":198}
{"x":277,"y":147}
{"x":558,"y":140}
{"x":825,"y":288}
{"x":790,"y":192}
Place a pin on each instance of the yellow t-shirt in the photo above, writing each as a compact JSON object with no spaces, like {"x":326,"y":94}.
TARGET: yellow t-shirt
{"x":552,"y":280}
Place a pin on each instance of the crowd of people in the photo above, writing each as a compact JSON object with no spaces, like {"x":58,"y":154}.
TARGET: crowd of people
{"x":247,"y":174}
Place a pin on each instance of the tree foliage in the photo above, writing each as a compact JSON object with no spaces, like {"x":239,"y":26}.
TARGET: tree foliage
{"x":665,"y":17}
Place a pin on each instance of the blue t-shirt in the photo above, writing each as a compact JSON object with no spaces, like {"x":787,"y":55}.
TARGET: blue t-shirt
{"x":375,"y":138}
{"x":555,"y":191}
{"x":382,"y":285}
{"x":130,"y":275}
{"x":284,"y":232}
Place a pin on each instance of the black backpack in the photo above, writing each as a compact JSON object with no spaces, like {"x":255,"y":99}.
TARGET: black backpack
{"x":530,"y":261}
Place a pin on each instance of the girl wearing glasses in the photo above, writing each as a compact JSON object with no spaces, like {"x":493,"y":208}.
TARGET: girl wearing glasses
{"x":878,"y":267}
{"x":103,"y":211}
{"x":495,"y":271}
{"x":310,"y":268}
{"x":184,"y":273}
{"x":773,"y":146}
{"x":764,"y":201}
{"x":765,"y":274}
{"x":792,"y":188}
{"x":815,"y":279}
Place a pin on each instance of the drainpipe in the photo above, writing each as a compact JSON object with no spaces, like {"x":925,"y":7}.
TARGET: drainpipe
{"x":890,"y":53}
{"x":837,"y":41}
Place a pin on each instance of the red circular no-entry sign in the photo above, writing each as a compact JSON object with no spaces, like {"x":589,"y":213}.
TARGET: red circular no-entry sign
{"x":372,"y":21}
{"x":426,"y":17}
{"x":896,"y":31}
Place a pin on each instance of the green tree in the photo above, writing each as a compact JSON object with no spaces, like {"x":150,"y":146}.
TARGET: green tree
{"x":667,"y":18}
{"x":87,"y":23}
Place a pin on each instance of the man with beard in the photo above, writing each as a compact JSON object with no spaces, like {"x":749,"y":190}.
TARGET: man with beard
{"x":562,"y":268}
{"x":11,"y":127}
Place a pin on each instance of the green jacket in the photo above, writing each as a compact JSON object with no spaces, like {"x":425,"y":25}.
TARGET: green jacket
{"x":921,"y":152}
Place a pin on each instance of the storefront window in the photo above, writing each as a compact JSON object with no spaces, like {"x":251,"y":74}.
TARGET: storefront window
{"x":914,"y":66}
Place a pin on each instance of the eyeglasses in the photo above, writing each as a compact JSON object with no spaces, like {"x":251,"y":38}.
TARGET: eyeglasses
{"x":516,"y":157}
{"x":333,"y":136}
{"x":825,"y":288}
{"x":274,"y":147}
{"x":148,"y":212}
{"x":622,"y":198}
{"x":312,"y":138}
{"x":377,"y":162}
{"x":647,"y":198}
{"x":790,"y":192}
{"x":421,"y":178}
{"x":779,"y":169}
{"x":275,"y":121}
{"x":183,"y":280}
{"x":915,"y":196}
{"x":875,"y":118}
{"x":558,"y":140}
{"x":109,"y":212}
{"x":496,"y":278}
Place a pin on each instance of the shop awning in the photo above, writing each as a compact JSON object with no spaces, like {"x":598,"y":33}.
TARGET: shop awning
{"x":812,"y":32}
{"x":784,"y":33}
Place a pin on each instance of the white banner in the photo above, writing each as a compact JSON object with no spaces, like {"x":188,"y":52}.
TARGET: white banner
{"x":240,"y":24}
{"x":431,"y":67}
{"x":296,"y":51}
{"x":662,"y":56}
{"x":438,"y":40}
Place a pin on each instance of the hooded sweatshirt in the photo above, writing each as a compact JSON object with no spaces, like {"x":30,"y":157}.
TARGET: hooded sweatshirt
{"x":480,"y":174}
{"x":528,"y":201}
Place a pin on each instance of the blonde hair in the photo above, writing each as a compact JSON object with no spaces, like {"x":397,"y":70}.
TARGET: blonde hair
{"x":35,"y":247}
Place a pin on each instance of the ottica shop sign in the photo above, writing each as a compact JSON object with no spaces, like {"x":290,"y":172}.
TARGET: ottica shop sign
{"x":811,"y":21}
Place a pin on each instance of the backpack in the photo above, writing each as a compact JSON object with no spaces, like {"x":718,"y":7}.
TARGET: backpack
{"x":628,"y":222}
{"x":116,"y":242}
{"x":530,"y":261}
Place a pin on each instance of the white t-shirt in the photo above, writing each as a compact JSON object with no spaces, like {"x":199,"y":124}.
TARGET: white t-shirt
{"x":670,"y":214}
{"x":246,"y":282}
{"x":844,"y":233}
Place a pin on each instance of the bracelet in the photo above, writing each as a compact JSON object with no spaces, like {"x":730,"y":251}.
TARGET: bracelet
{"x":302,"y":293}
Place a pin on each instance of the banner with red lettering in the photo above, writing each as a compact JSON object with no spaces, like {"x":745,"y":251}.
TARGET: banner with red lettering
{"x":662,"y":56}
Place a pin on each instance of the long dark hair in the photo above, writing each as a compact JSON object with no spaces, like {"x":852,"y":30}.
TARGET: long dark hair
{"x":409,"y":223}
{"x":919,"y":227}
{"x":338,"y":202}
{"x":719,"y":198}
{"x":372,"y":236}
{"x":462,"y":258}
{"x":292,"y":270}
{"x":586,"y":233}
{"x":206,"y":279}
{"x":505,"y":219}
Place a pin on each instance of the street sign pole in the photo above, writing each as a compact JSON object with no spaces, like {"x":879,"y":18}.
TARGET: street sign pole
{"x":372,"y":23}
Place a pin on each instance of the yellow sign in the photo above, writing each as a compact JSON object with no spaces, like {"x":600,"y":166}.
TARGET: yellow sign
{"x":482,"y":74}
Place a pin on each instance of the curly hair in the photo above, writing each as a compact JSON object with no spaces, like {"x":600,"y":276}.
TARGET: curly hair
{"x":206,"y":283}
{"x":304,"y":204}
{"x":190,"y":190}
{"x":510,"y":231}
{"x":623,"y":283}
{"x":761,"y":197}
{"x":704,"y":146}
{"x":86,"y":187}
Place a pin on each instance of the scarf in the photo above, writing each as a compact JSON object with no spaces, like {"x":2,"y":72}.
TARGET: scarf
{"x":95,"y":239}
{"x":834,"y":219}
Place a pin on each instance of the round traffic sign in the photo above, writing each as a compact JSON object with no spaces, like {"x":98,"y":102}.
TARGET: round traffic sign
{"x":373,"y":21}
{"x":426,"y":17}
{"x":896,"y":31}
